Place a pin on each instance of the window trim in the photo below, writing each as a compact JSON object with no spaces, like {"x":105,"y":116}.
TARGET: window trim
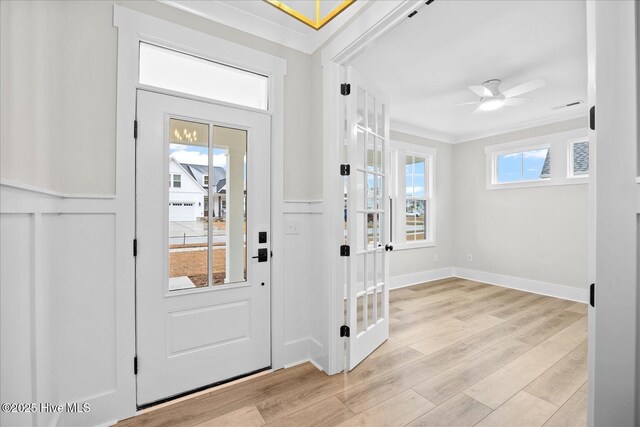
{"x":494,"y":164}
{"x":557,"y":143}
{"x":570,"y":144}
{"x":398,"y":152}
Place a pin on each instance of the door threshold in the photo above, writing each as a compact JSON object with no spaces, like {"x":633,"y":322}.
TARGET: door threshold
{"x":181,"y":397}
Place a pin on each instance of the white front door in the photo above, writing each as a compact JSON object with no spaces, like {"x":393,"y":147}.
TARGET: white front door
{"x":367,"y":218}
{"x":202,"y":293}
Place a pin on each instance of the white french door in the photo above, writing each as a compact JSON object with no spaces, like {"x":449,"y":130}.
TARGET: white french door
{"x":203,"y":244}
{"x":367,"y":217}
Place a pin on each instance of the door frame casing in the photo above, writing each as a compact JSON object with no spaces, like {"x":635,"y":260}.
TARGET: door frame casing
{"x":134,"y":27}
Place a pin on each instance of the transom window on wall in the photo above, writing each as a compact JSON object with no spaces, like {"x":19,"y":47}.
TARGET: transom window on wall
{"x":560,"y":158}
{"x":412,"y":196}
{"x":181,"y":72}
{"x":525,"y":165}
{"x":578,"y":159}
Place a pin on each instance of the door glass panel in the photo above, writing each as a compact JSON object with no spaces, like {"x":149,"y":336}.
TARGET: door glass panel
{"x":370,"y":154}
{"x":361,"y":230}
{"x":360,"y":154}
{"x":360,"y":272}
{"x":380,"y":118}
{"x":370,"y":305}
{"x":379,"y":311}
{"x":379,"y":272}
{"x":361,"y":192}
{"x":360,"y":111}
{"x":229,"y":208}
{"x":371,"y":109}
{"x":370,"y":191}
{"x":360,"y":314}
{"x":188,"y":210}
{"x":370,"y":229}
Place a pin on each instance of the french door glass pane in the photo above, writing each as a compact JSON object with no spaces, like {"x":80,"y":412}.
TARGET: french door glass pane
{"x":229,"y":214}
{"x":187,"y":210}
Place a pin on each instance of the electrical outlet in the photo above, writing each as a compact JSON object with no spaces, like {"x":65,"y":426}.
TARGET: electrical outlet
{"x":292,"y":227}
{"x":469,"y":258}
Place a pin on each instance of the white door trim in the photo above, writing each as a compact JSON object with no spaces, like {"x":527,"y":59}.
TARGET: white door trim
{"x":134,"y":27}
{"x":372,"y":23}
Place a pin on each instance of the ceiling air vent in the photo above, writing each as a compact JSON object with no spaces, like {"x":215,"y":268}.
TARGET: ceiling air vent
{"x":571,"y":104}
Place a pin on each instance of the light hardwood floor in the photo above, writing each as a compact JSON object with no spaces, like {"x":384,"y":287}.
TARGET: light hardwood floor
{"x":460,"y":353}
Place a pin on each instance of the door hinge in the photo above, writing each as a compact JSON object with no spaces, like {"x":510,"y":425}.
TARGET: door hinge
{"x":135,"y":365}
{"x":592,"y":295}
{"x":345,"y":250}
{"x":135,"y":247}
{"x":592,"y":118}
{"x":345,"y":170}
{"x":345,"y":89}
{"x":135,"y":129}
{"x":344,"y":331}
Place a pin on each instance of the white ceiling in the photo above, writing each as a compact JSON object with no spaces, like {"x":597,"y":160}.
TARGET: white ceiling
{"x":427,"y":62}
{"x":261,"y":19}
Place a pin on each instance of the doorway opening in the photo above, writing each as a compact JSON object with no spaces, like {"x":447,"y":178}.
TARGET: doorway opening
{"x":488,"y":161}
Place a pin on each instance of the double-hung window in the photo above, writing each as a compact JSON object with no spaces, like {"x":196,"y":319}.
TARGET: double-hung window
{"x":412,"y":196}
{"x":415,"y":198}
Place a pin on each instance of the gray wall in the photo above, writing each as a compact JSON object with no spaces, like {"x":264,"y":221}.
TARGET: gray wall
{"x":411,"y":261}
{"x":58,"y":95}
{"x":532,"y":233}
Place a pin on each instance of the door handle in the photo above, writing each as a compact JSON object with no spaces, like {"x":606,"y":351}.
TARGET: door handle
{"x":263,"y":255}
{"x":388,"y":247}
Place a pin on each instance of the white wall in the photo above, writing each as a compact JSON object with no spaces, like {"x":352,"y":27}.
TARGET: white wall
{"x":538,"y":233}
{"x":412,"y":266}
{"x":58,"y":96}
{"x":59,"y":104}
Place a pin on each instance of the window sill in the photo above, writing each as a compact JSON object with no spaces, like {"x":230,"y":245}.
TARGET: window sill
{"x":415,"y":245}
{"x":539,"y":183}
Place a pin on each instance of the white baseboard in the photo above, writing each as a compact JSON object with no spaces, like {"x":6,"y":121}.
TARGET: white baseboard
{"x":396,"y":282}
{"x":528,"y":285}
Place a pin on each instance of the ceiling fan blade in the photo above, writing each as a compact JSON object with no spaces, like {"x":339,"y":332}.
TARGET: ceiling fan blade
{"x":516,"y":102}
{"x":465,"y":103}
{"x":477,"y":110}
{"x":524,"y":88}
{"x":481,"y":91}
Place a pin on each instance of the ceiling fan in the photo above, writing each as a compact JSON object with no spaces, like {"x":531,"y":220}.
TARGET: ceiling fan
{"x":492,"y":99}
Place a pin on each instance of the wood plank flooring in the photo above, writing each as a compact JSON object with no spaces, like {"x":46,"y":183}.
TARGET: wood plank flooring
{"x":461,"y":353}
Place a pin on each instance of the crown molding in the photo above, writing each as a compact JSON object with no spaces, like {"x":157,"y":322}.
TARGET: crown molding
{"x":522,"y":126}
{"x":437,"y":136}
{"x":421,"y":132}
{"x":226,"y":14}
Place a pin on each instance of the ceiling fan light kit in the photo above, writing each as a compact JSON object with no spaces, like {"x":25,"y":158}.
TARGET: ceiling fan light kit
{"x":492,"y":99}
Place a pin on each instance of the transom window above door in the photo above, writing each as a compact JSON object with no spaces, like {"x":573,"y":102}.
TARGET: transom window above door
{"x":180,"y":72}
